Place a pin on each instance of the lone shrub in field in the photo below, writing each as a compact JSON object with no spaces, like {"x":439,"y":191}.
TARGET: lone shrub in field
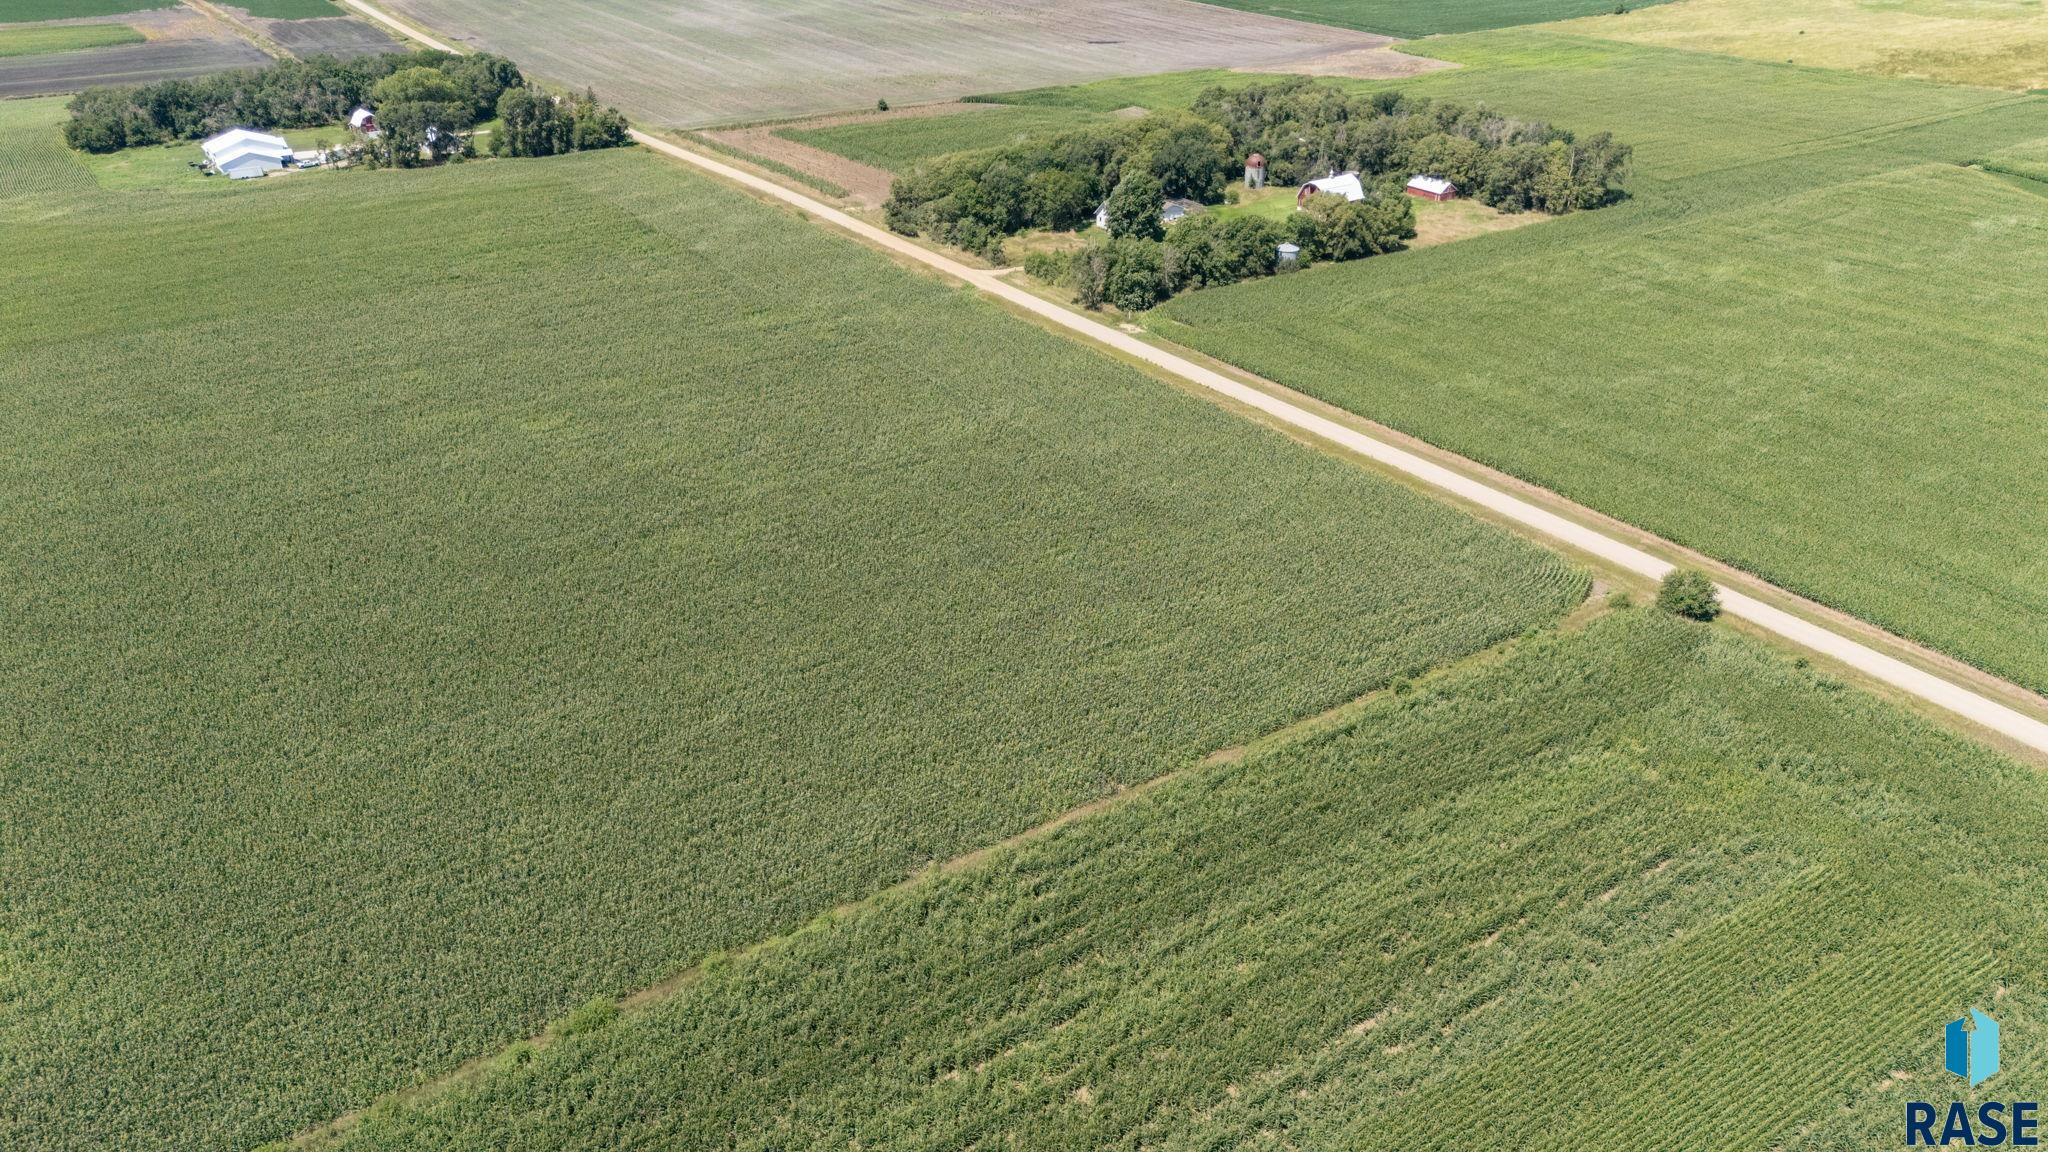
{"x":592,"y":1015}
{"x":1689,"y":594}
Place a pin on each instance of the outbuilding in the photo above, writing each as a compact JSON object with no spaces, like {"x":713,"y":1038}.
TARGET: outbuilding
{"x":363,"y":121}
{"x":1178,"y":208}
{"x":1346,"y":184}
{"x":1255,"y":171}
{"x":242,"y":153}
{"x":1432,"y":188}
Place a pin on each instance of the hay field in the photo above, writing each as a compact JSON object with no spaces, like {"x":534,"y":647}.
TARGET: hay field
{"x":1582,"y":899}
{"x":1810,"y":346}
{"x":697,"y":62}
{"x":1995,"y":43}
{"x":434,"y":598}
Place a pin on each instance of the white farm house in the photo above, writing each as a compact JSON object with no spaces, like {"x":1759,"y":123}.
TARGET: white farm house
{"x":241,"y":153}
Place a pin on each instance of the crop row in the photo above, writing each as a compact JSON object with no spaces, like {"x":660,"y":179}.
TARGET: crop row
{"x":1620,"y":890}
{"x":571,"y":570}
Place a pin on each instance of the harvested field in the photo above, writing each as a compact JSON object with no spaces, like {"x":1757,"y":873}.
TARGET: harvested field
{"x":1360,"y":64}
{"x":336,"y":36}
{"x":124,"y":64}
{"x":699,"y":62}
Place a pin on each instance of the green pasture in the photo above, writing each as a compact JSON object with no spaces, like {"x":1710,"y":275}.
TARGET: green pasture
{"x":897,"y":145}
{"x":290,"y":9}
{"x":34,"y":41}
{"x":1413,"y":18}
{"x":2029,"y":160}
{"x":30,"y":11}
{"x":1647,"y":886}
{"x":434,"y":598}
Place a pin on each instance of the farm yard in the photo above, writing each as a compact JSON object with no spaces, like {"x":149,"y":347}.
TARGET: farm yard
{"x":620,"y":607}
{"x":1574,"y":899}
{"x":702,"y":62}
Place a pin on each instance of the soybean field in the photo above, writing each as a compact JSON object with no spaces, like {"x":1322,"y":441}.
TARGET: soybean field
{"x":1649,"y":885}
{"x":32,"y":41}
{"x":1746,"y":357}
{"x":564,"y":571}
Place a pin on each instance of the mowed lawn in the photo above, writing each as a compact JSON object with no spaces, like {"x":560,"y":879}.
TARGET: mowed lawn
{"x":1649,"y":886}
{"x":1413,"y":18}
{"x":33,"y":41}
{"x":435,"y":598}
{"x":1810,"y":346}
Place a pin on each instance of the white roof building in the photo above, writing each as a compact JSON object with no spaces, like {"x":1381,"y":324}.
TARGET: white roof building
{"x":240,"y":153}
{"x":1433,"y":186}
{"x":1346,"y":184}
{"x":360,"y":117}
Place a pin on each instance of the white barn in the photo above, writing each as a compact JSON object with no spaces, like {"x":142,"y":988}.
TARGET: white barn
{"x":1347,"y":185}
{"x":241,"y":153}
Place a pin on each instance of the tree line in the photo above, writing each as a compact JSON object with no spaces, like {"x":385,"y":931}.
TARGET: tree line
{"x":972,"y":200}
{"x":1305,"y":129}
{"x":425,"y":102}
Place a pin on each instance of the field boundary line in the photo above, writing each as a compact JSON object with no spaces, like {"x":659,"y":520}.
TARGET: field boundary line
{"x":241,"y":28}
{"x":402,"y":28}
{"x":645,"y":999}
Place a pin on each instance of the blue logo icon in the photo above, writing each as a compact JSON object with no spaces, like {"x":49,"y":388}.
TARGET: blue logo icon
{"x":1971,"y":1050}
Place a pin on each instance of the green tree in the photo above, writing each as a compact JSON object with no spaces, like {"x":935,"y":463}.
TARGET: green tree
{"x":532,"y":124}
{"x":1136,"y":277}
{"x":1135,"y":205}
{"x":1059,"y":199}
{"x":416,"y":86}
{"x":1690,"y":594}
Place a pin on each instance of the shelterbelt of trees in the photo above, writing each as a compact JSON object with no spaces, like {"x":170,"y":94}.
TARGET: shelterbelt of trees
{"x":1055,"y":181}
{"x":410,"y":92}
{"x":1305,"y":129}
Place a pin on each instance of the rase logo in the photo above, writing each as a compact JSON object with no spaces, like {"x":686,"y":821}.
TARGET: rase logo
{"x":1970,"y":1050}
